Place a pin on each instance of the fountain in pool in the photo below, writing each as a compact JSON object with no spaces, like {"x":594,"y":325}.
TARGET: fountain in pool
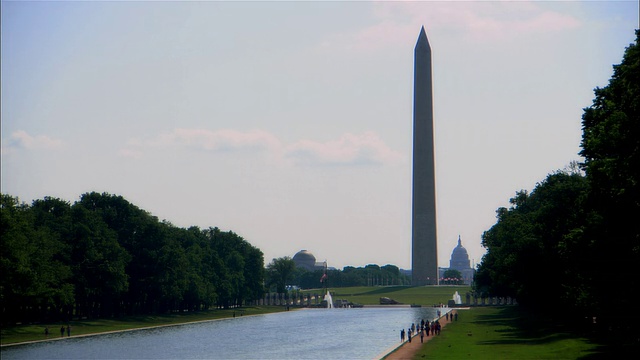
{"x":456,"y":298}
{"x":329,"y":300}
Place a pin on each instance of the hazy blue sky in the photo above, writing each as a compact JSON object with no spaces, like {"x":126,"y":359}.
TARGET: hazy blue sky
{"x":290,"y":123}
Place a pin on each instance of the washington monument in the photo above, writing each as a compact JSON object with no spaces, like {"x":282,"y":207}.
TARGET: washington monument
{"x":424,"y":249}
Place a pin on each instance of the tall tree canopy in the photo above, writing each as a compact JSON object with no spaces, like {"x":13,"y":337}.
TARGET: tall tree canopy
{"x":280,"y":272}
{"x":103,"y":257}
{"x":611,"y":148}
{"x":574,"y":242}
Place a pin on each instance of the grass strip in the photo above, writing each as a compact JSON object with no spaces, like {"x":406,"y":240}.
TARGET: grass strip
{"x":505,"y":333}
{"x":36,"y":332}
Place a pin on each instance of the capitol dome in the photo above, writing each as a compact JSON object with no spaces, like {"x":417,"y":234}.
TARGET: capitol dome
{"x":304,"y":259}
{"x":459,"y":258}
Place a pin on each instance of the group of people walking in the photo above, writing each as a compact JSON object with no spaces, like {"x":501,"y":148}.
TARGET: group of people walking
{"x":425,"y":328}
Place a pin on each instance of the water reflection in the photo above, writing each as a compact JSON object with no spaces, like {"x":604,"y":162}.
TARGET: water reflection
{"x":360,"y":333}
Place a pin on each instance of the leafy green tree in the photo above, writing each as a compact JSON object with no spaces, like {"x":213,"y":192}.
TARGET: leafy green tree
{"x":306,"y":279}
{"x":200,"y":292}
{"x":529,"y":251}
{"x":35,"y":276}
{"x":454,"y":276}
{"x":99,"y":265}
{"x":280,"y":272}
{"x":253,"y":287}
{"x":611,"y":149}
{"x":104,"y":256}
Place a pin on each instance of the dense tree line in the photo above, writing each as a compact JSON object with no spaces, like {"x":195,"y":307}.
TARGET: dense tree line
{"x":572,"y":245}
{"x":105,"y":257}
{"x":283,"y":271}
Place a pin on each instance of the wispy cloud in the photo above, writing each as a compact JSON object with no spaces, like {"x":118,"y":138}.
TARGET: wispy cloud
{"x":21,"y":140}
{"x":348,"y":149}
{"x":220,"y":140}
{"x":397,"y":22}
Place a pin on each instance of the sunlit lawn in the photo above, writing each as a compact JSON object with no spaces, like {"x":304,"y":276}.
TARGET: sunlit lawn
{"x":505,"y":333}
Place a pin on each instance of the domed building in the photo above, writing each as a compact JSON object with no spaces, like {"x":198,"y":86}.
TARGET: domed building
{"x":460,"y":261}
{"x":459,"y":258}
{"x":306,"y":260}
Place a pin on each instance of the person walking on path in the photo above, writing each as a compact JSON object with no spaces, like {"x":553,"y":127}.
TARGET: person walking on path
{"x":407,"y":350}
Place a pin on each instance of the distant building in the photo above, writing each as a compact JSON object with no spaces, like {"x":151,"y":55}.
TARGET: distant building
{"x":306,"y":260}
{"x":460,"y":261}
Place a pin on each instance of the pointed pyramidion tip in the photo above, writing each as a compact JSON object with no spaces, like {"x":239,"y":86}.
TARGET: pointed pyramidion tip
{"x":422,"y":38}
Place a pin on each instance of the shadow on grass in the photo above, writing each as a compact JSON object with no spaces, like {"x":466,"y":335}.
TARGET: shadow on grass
{"x":519,"y":327}
{"x":383,"y":290}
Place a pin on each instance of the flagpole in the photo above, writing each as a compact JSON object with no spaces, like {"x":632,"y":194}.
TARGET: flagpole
{"x":325,"y":278}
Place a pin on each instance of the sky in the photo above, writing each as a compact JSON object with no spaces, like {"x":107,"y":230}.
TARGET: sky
{"x":290,"y":123}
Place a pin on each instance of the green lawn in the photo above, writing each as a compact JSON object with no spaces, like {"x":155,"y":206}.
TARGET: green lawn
{"x":21,"y":333}
{"x":422,"y":295}
{"x":505,"y":333}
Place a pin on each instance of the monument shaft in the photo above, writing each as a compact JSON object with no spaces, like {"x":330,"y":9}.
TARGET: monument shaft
{"x":424,"y":256}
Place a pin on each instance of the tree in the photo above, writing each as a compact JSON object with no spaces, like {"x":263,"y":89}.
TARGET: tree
{"x":99,"y":264}
{"x":279,"y":272}
{"x":253,"y":288}
{"x":452,"y":276}
{"x":530,"y":254}
{"x":611,"y":149}
{"x":35,"y":282}
{"x":104,"y":256}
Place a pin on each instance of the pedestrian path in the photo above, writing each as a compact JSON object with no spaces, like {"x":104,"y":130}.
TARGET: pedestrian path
{"x":407,"y":350}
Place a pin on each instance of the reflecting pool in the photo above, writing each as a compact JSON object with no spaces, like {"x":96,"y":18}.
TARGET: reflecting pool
{"x":359,"y":333}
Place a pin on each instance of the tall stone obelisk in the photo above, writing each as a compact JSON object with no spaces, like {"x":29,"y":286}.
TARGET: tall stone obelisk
{"x":424,"y":253}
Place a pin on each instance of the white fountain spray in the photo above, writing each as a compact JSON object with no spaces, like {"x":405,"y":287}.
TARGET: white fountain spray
{"x":456,"y":298}
{"x":329,"y":300}
{"x":327,"y":296}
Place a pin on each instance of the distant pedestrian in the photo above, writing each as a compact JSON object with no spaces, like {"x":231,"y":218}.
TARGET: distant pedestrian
{"x":402,"y":335}
{"x":409,"y":336}
{"x":46,"y":331}
{"x":68,"y":330}
{"x":62,"y":330}
{"x":421,"y":336}
{"x":446,"y":316}
{"x":456,"y":316}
